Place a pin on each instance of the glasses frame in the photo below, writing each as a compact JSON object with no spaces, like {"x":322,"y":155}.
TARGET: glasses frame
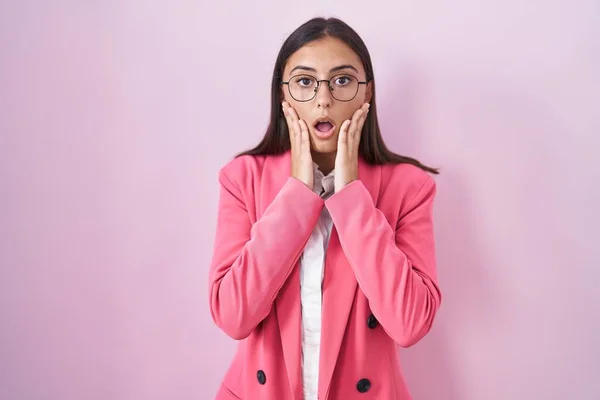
{"x":319,"y":85}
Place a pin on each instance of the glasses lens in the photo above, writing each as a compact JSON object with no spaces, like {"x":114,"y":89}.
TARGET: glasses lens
{"x":302,"y":87}
{"x":343,"y":87}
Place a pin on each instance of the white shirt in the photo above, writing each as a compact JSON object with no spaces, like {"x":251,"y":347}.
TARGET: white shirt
{"x":311,"y":279}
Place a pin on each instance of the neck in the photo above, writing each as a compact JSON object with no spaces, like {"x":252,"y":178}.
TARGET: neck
{"x":325,"y":161}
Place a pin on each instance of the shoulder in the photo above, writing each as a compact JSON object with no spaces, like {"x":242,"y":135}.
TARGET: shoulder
{"x":244,"y":170}
{"x":240,"y":167}
{"x":408,"y":175}
{"x":406,"y":182}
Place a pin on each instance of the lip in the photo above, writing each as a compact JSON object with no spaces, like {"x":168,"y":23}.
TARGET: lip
{"x":323,"y":135}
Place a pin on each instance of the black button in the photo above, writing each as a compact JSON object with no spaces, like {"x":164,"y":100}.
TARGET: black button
{"x":363,"y":385}
{"x":262,"y":378}
{"x":372,"y":322}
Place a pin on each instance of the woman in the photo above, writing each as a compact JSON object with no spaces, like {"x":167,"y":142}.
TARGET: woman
{"x":324,"y":259}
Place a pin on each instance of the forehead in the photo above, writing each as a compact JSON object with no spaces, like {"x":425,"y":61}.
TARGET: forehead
{"x":324,"y":54}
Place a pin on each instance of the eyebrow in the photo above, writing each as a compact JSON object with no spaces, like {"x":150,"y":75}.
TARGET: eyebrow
{"x":334,"y":69}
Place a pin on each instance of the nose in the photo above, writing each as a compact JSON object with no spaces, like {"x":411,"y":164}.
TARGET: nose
{"x":323,"y":96}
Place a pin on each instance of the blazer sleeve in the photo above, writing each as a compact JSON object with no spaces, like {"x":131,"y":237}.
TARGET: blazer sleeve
{"x":395,"y":267}
{"x":251,"y":262}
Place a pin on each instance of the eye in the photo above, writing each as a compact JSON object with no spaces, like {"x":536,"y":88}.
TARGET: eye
{"x":304,"y":81}
{"x":342,"y":80}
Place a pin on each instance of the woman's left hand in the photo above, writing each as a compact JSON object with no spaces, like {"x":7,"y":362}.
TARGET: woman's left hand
{"x":346,"y":160}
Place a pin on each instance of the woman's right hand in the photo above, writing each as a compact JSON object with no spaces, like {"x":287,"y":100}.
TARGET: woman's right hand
{"x":302,"y":164}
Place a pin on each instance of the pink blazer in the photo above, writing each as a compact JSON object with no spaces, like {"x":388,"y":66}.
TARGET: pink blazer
{"x":380,"y":287}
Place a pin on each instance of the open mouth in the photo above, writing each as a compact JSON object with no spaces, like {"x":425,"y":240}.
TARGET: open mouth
{"x":324,"y":128}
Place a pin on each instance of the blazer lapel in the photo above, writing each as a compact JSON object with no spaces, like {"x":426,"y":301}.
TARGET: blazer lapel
{"x":339,"y":288}
{"x":339,"y":291}
{"x":289,"y":319}
{"x":287,"y":303}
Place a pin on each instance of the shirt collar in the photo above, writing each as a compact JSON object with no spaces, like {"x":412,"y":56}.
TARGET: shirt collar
{"x":323,"y":185}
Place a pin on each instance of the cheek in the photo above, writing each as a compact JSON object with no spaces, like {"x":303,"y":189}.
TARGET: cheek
{"x":350,"y":108}
{"x":303,"y":112}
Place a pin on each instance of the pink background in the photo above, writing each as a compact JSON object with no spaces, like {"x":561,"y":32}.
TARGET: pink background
{"x":115,"y":117}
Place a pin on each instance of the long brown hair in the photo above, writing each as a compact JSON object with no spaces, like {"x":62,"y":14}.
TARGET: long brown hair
{"x":276,"y":140}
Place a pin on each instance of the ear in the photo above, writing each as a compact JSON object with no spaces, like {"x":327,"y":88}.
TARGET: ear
{"x":369,"y":92}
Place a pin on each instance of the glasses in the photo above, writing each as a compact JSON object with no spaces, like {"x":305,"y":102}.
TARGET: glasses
{"x":343,"y":87}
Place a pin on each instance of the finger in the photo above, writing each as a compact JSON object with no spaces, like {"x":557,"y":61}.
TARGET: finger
{"x":343,"y":138}
{"x":354,"y":122}
{"x":358,"y":131}
{"x":296,"y":124}
{"x":295,"y":119}
{"x":304,"y":136}
{"x":288,"y":119}
{"x":355,"y":131}
{"x":294,"y":128}
{"x":299,"y":137}
{"x":361,"y":120}
{"x":286,"y":113}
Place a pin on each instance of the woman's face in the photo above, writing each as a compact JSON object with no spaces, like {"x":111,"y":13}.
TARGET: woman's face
{"x":324,"y":59}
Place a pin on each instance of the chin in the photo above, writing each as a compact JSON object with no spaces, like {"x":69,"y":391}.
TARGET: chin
{"x":325,"y":147}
